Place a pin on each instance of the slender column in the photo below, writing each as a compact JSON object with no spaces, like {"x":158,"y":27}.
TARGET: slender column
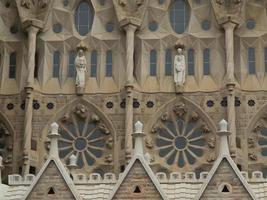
{"x":130,"y":30}
{"x":129,"y":124}
{"x":231,"y":115}
{"x":32,"y":32}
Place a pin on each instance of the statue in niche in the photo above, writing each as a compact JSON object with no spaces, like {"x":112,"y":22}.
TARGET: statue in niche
{"x":80,"y":65}
{"x":179,"y":66}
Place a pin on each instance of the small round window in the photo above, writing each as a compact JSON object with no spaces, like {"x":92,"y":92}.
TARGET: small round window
{"x":206,"y":25}
{"x":153,"y":26}
{"x":251,"y":24}
{"x":57,"y":28}
{"x":84,"y":16}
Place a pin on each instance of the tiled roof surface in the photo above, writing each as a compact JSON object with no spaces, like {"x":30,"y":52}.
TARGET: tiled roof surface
{"x":95,"y":191}
{"x":16,"y":192}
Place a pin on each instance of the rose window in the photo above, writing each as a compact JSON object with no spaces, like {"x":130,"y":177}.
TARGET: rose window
{"x":182,"y":138}
{"x":86,"y":136}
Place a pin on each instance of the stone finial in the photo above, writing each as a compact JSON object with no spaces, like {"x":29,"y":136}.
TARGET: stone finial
{"x":138,"y":137}
{"x":1,"y":167}
{"x":223,"y":124}
{"x":73,"y":160}
{"x":223,"y":133}
{"x":54,"y":140}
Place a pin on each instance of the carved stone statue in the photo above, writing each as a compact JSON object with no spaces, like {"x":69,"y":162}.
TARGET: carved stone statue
{"x":179,"y":67}
{"x":80,"y":64}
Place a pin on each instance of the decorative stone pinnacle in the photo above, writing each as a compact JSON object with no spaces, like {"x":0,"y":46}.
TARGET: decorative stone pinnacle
{"x":54,"y":135}
{"x":223,"y":125}
{"x":223,"y":133}
{"x":138,"y":137}
{"x":138,"y":127}
{"x":73,"y":161}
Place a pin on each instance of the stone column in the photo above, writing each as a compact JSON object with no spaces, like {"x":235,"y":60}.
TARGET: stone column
{"x":130,"y":30}
{"x":32,"y":33}
{"x":231,"y":115}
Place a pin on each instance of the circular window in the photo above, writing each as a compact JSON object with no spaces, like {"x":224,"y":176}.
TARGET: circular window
{"x":153,"y":26}
{"x":14,"y":29}
{"x":181,"y":138}
{"x":251,"y":24}
{"x":206,"y":25}
{"x":10,"y":106}
{"x":83,"y":134}
{"x":109,"y":27}
{"x":50,"y":105}
{"x":57,"y":28}
{"x":65,"y":2}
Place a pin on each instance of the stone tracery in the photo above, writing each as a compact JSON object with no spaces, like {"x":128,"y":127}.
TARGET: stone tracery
{"x":182,"y":138}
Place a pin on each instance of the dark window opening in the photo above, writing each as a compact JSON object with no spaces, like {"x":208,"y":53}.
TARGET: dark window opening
{"x":93,"y":63}
{"x":56,"y":64}
{"x":34,"y":145}
{"x":72,"y":70}
{"x":137,"y":189}
{"x":122,"y":168}
{"x":251,"y":61}
{"x":153,"y":63}
{"x":239,"y":167}
{"x":109,"y":63}
{"x":225,"y":189}
{"x":168,"y":62}
{"x":32,"y":170}
{"x":36,"y":65}
{"x":51,"y":191}
{"x":238,"y":142}
{"x":206,"y":62}
{"x":12,"y":65}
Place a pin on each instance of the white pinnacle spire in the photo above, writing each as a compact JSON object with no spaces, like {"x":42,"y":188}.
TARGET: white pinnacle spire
{"x":223,"y":133}
{"x":138,"y":136}
{"x":54,"y":140}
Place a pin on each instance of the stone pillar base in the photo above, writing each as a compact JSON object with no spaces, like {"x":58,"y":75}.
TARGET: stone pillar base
{"x":79,"y":91}
{"x":179,"y":89}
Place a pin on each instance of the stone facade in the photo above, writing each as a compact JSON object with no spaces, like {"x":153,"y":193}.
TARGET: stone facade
{"x":129,"y":48}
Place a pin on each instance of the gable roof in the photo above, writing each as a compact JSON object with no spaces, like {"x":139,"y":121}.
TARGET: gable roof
{"x":147,"y":169}
{"x":234,"y":168}
{"x":62,"y":171}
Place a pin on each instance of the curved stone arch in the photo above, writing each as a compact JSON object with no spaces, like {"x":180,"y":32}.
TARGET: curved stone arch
{"x":7,"y":123}
{"x":209,"y":155}
{"x":255,"y":118}
{"x":172,"y":102}
{"x":254,"y":139}
{"x":68,"y":108}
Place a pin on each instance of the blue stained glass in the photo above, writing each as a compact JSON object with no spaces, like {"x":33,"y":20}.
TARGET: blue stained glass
{"x":179,"y":16}
{"x":71,"y":70}
{"x":251,"y":61}
{"x":191,"y":62}
{"x":84,"y":16}
{"x":206,"y":62}
{"x":56,"y":64}
{"x":93,"y":63}
{"x":153,"y":62}
{"x":109,"y":63}
{"x":168,"y":62}
{"x":12,"y":65}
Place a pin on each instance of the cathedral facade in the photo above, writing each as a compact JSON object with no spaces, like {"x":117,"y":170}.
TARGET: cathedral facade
{"x":93,"y":68}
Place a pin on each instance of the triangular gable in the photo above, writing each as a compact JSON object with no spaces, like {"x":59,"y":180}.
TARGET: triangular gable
{"x":225,"y":182}
{"x":138,"y":182}
{"x":52,"y":181}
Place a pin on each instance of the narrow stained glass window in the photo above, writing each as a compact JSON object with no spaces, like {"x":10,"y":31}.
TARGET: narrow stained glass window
{"x":36,"y":65}
{"x":153,"y":62}
{"x":93,"y":63}
{"x":84,"y":17}
{"x":109,"y":63}
{"x":206,"y":62}
{"x":71,"y":70}
{"x":179,"y":16}
{"x":168,"y":62}
{"x":56,"y":64}
{"x":191,"y":62}
{"x":251,"y":61}
{"x":12,"y":65}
